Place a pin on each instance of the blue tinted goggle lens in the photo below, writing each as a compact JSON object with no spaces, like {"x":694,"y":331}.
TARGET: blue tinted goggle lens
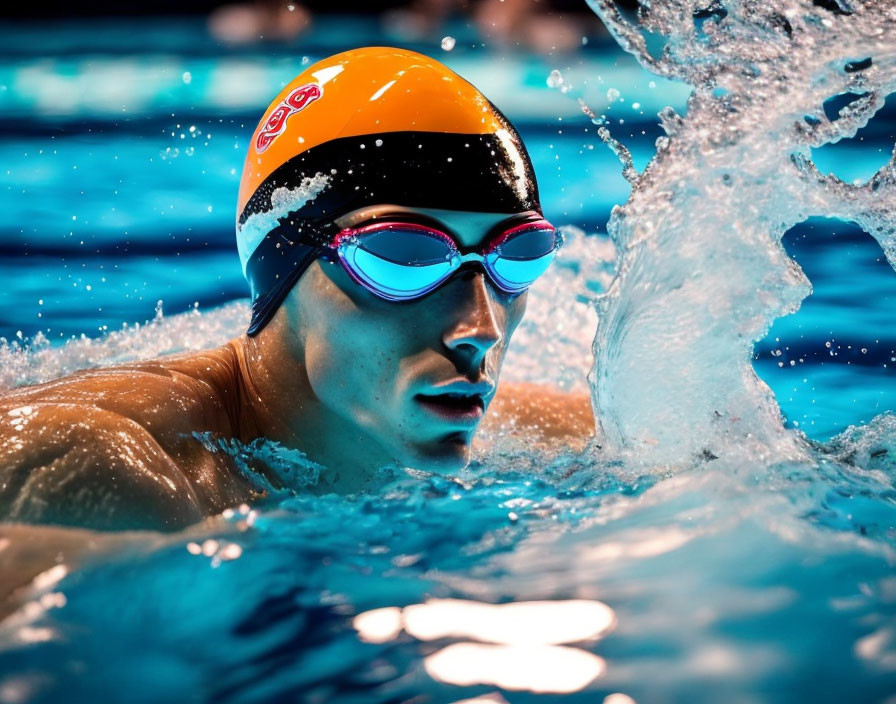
{"x":522,"y":257}
{"x":402,"y":262}
{"x":397,"y":264}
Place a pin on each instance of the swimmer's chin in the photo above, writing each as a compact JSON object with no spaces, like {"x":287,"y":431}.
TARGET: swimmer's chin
{"x":447,"y":455}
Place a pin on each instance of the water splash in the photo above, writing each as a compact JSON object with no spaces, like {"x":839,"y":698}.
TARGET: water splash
{"x":702,"y":273}
{"x":871,"y":446}
{"x":552,"y":344}
{"x":269,"y":466}
{"x":34,"y":361}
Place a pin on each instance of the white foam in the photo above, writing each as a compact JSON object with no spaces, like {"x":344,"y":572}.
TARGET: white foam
{"x":36,"y":361}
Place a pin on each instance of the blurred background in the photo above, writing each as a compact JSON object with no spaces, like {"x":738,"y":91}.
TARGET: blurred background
{"x":123,"y":132}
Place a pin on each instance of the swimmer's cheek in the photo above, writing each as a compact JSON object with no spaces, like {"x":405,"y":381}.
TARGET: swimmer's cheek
{"x":108,"y":474}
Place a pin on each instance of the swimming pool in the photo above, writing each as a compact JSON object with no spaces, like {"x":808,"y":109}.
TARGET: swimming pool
{"x":739,"y":580}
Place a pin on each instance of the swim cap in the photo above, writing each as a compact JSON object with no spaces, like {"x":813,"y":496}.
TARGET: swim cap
{"x":370,"y":126}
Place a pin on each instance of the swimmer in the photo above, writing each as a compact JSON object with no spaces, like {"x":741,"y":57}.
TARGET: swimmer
{"x":389,"y":227}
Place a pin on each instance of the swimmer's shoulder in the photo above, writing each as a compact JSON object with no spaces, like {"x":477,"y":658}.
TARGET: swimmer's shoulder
{"x":114,"y":447}
{"x":168,"y":396}
{"x":542,"y":413}
{"x":79,"y":465}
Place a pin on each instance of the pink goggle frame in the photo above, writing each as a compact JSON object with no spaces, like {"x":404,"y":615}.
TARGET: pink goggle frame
{"x":400,"y":261}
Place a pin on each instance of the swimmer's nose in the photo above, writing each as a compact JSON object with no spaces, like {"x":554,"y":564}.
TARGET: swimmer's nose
{"x":476,"y":326}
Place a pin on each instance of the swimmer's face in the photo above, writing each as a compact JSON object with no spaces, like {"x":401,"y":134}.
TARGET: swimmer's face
{"x":383,"y":368}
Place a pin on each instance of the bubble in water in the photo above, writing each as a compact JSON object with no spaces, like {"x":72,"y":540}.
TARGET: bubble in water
{"x":612,"y":95}
{"x":555,"y":79}
{"x":448,"y":43}
{"x":187,"y":77}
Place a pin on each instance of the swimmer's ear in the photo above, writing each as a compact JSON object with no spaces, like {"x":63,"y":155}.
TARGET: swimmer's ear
{"x":287,"y":327}
{"x":293,"y":318}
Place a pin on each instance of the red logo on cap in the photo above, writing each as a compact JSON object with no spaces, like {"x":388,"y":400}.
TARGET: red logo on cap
{"x":297,"y":100}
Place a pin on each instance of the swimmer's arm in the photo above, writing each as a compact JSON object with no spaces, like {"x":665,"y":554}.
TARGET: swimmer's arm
{"x":86,"y":467}
{"x":542,"y":413}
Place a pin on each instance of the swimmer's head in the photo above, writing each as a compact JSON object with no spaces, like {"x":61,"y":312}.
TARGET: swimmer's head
{"x":367,"y":164}
{"x":367,"y":127}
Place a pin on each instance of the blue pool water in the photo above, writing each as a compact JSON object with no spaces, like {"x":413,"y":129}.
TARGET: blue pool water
{"x":752,"y":581}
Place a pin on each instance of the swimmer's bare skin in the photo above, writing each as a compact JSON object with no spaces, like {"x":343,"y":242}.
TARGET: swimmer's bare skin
{"x":114,"y":448}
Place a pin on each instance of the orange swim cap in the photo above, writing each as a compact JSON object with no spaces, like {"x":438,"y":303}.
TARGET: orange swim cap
{"x":370,"y":126}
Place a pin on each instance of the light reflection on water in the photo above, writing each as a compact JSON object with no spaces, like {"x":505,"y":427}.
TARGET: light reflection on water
{"x":518,"y":646}
{"x":543,"y":669}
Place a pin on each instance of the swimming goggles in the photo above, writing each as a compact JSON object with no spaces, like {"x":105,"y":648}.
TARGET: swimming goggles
{"x":400,"y":261}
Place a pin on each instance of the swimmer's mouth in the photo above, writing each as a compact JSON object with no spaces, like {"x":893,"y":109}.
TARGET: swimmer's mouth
{"x":455,"y":405}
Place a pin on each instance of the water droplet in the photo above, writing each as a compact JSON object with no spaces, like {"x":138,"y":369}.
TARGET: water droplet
{"x":555,"y":79}
{"x":448,"y":43}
